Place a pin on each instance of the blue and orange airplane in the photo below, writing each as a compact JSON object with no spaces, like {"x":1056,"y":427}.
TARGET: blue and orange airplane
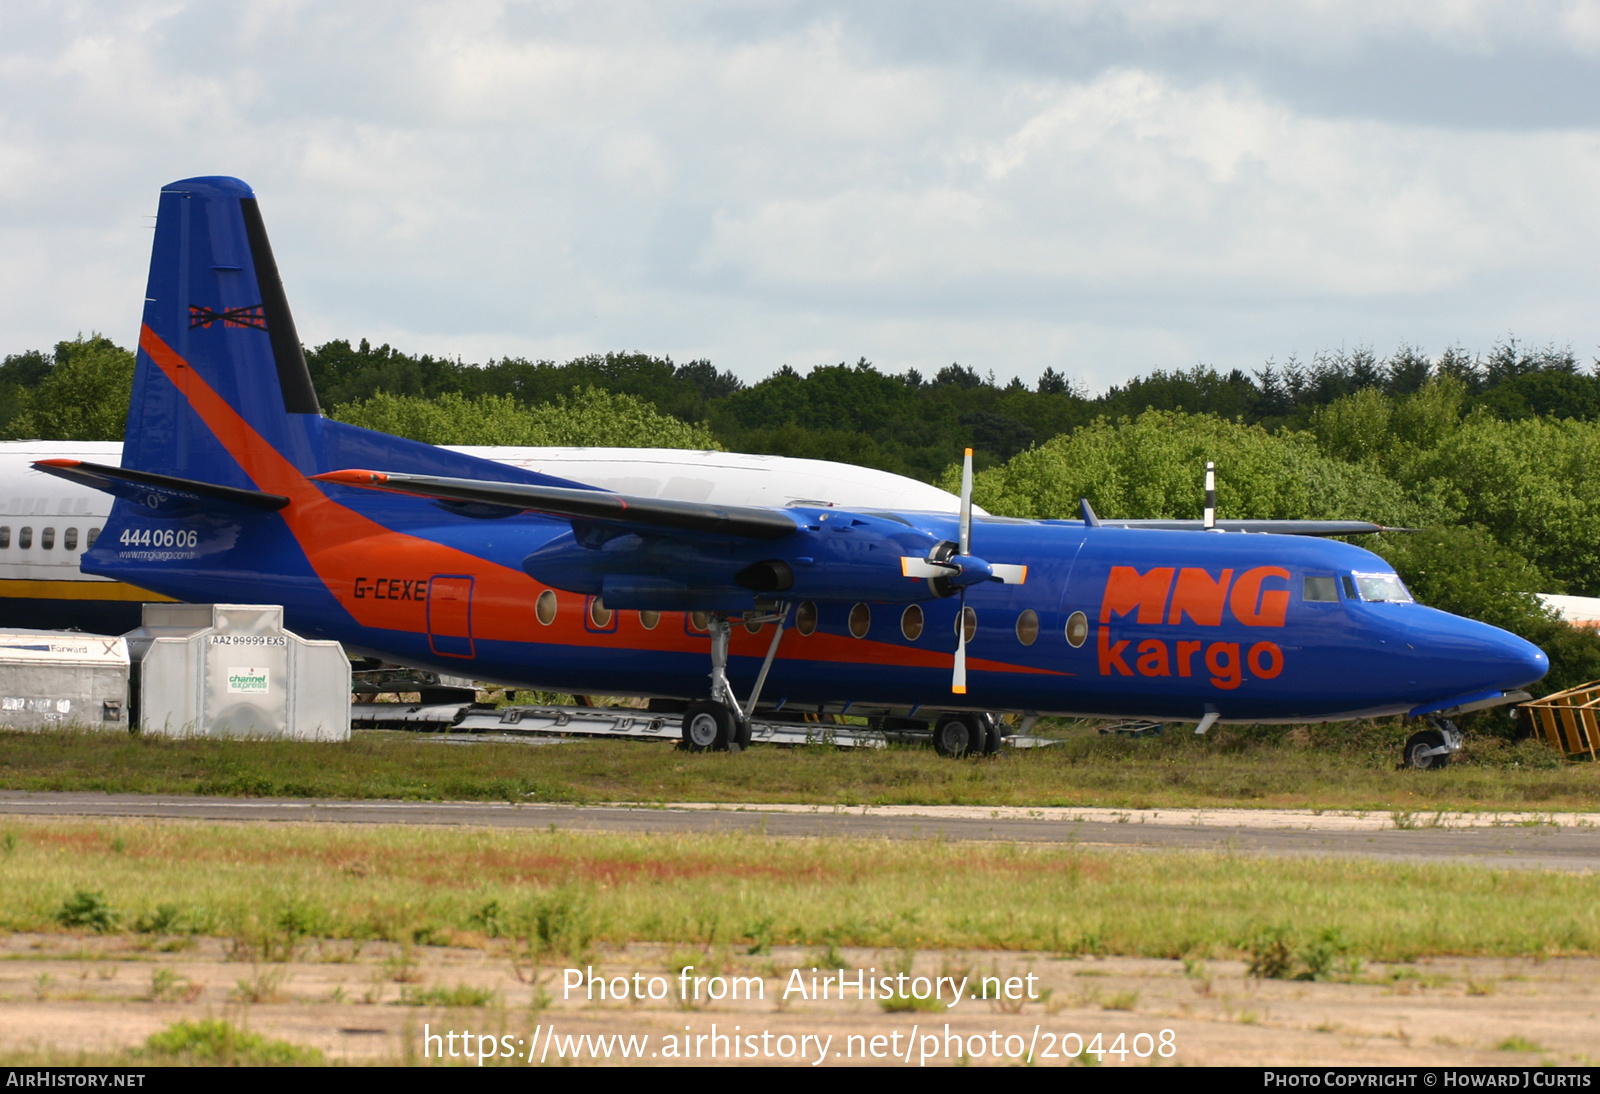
{"x":234,"y":487}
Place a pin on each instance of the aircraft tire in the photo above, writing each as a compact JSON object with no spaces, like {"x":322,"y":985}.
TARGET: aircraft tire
{"x":955,"y":735}
{"x":708,"y":727}
{"x":991,"y":736}
{"x":1418,"y":743}
{"x":742,"y":736}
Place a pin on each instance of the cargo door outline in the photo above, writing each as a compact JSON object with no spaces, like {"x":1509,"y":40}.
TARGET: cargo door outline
{"x":450,"y":615}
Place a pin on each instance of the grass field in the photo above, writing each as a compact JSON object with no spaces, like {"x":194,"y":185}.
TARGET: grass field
{"x":1318,"y":767}
{"x":276,"y":889}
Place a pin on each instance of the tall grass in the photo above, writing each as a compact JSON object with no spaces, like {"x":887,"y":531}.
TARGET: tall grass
{"x":275,"y":889}
{"x":1328,"y":767}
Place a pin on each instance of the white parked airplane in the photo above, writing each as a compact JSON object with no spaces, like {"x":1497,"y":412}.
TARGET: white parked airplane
{"x":46,"y":523}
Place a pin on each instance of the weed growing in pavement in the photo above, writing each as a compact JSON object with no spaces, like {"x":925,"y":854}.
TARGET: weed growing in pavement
{"x":167,"y":986}
{"x":462,"y":995}
{"x":262,"y":986}
{"x":213,"y":1041}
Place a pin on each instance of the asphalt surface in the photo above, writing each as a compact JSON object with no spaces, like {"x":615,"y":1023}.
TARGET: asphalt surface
{"x":1536,"y":846}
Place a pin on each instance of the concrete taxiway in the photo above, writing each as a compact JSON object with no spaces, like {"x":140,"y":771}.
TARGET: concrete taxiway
{"x":1563,"y":841}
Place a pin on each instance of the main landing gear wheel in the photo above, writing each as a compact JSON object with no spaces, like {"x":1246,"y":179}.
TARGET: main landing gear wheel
{"x":710,"y":727}
{"x":961,"y":734}
{"x":1421,"y":754}
{"x":991,"y":743}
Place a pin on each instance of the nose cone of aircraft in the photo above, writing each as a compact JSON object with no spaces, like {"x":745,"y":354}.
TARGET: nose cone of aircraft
{"x":1510,"y":661}
{"x":1447,"y":654}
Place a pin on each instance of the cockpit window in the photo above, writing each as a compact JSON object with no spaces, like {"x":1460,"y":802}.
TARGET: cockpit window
{"x":1321,"y":590}
{"x":1382,"y":588}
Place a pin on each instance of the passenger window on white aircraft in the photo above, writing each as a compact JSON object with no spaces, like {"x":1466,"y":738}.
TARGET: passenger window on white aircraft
{"x":94,"y":534}
{"x":69,"y":539}
{"x":1321,"y":590}
{"x":1028,"y":627}
{"x":5,"y":536}
{"x":1382,"y":588}
{"x":25,"y":538}
{"x":1349,"y":587}
{"x":47,"y":539}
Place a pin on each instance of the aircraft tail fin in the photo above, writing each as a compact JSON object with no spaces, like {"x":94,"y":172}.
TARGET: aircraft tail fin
{"x":222,"y":392}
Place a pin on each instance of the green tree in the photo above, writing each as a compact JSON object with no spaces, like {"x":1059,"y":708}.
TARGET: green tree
{"x":82,"y":397}
{"x":1154,"y":466}
{"x":588,"y":417}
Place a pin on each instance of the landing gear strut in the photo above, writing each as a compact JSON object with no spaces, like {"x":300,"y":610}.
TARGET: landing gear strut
{"x":721,"y":724}
{"x":1431,"y":749}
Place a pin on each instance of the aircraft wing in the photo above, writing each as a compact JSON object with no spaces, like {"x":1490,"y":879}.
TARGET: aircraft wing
{"x":594,"y":505}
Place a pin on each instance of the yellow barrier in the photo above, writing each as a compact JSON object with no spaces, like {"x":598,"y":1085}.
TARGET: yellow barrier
{"x":1568,"y":720}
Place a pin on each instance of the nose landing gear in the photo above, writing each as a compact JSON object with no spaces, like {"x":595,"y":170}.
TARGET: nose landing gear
{"x":1431,"y":749}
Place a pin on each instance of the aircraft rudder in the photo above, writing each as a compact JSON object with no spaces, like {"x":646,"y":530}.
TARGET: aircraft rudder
{"x":219,"y":357}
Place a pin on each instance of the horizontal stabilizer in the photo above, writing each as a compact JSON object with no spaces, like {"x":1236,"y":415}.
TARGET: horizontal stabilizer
{"x":160,"y":494}
{"x":595,"y":505}
{"x":1276,"y":527}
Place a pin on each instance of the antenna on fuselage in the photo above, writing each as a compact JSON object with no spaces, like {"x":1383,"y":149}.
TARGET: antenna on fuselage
{"x":1211,"y":497}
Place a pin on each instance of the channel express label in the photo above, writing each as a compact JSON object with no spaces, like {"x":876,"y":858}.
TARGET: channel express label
{"x":247,"y":681}
{"x":1169,"y":596}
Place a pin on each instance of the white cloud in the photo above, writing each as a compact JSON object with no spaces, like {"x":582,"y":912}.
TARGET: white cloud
{"x":777,"y":186}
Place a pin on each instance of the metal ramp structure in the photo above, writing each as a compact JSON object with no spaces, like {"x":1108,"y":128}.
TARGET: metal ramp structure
{"x":1568,"y":720}
{"x":622,"y":722}
{"x":575,"y":721}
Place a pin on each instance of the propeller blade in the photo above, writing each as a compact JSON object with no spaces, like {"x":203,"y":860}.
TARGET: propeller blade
{"x":965,"y":544}
{"x":958,"y":683}
{"x":910,"y":566}
{"x":1008,"y":573}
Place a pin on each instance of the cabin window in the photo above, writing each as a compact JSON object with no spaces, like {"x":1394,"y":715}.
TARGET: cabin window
{"x":47,"y":539}
{"x":544,"y":609}
{"x":911,"y":623}
{"x":649,"y":619}
{"x":5,"y":536}
{"x":94,"y":534}
{"x":805,"y":617}
{"x":699,"y":621}
{"x":1077,"y":629}
{"x":1382,"y":588}
{"x":860,"y":620}
{"x":1349,"y":587}
{"x":69,"y":539}
{"x":599,"y":614}
{"x":751,"y":623}
{"x":968,"y":621}
{"x":25,"y":538}
{"x":1321,"y":589}
{"x":1028,"y":627}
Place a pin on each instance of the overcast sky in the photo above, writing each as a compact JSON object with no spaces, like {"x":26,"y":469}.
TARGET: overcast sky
{"x":1102,"y":187}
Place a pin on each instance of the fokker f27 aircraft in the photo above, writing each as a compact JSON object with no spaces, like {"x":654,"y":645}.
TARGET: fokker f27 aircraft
{"x":233,"y":487}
